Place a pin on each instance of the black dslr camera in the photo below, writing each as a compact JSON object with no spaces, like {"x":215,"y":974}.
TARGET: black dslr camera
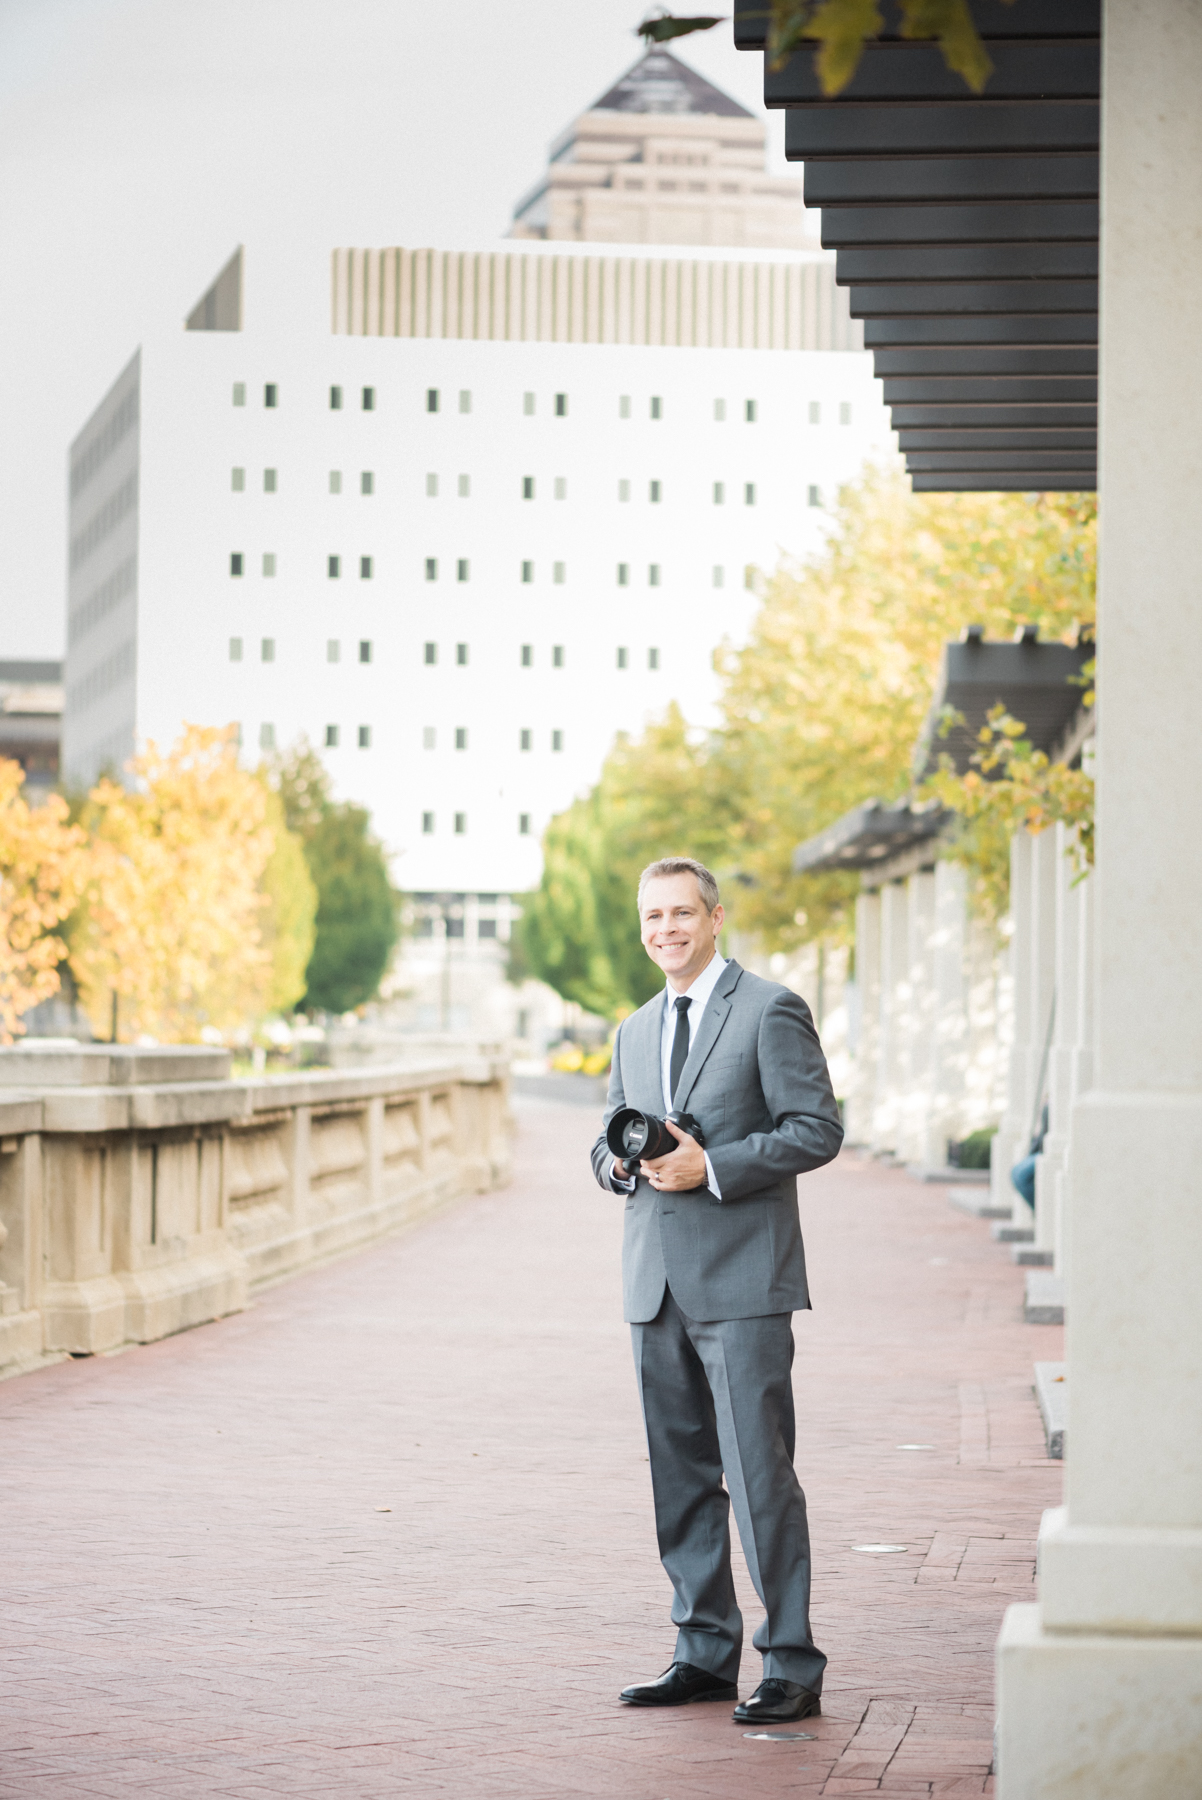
{"x":635,"y":1136}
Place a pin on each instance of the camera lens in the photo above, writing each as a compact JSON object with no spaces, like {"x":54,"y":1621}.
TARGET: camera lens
{"x":634,"y":1136}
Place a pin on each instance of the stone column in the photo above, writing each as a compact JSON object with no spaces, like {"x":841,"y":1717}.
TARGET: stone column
{"x":1070,"y":1063}
{"x":915,"y":1142}
{"x":951,"y":1008}
{"x":1100,"y":1684}
{"x":867,"y":1026}
{"x":1011,"y":1124}
{"x":895,"y":969}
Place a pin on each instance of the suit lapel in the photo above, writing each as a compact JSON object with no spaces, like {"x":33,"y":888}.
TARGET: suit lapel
{"x":647,"y":1023}
{"x":712,"y":1020}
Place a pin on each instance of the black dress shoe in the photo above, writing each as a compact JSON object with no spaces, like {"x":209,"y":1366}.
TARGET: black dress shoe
{"x":680,"y":1686}
{"x":777,"y":1702}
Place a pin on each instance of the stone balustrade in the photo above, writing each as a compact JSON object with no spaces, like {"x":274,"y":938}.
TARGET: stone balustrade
{"x":143,"y":1191}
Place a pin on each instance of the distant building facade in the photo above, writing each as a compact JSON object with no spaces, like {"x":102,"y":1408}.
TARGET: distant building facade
{"x":664,"y":157}
{"x":31,"y":709}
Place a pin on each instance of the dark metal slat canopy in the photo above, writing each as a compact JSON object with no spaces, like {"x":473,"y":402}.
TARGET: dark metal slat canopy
{"x":966,"y":229}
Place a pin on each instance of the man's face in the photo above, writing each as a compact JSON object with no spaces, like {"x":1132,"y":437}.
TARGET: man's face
{"x":678,"y":933}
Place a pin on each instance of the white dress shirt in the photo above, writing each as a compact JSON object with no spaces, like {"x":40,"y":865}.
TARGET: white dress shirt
{"x":699,"y":995}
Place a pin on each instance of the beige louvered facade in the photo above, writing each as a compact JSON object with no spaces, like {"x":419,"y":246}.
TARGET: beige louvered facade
{"x":513,"y":296}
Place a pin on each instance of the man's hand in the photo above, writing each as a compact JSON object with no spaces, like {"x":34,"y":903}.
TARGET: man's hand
{"x":683,"y":1168}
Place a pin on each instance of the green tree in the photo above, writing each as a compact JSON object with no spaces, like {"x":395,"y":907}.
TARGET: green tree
{"x":289,"y":926}
{"x":357,"y":918}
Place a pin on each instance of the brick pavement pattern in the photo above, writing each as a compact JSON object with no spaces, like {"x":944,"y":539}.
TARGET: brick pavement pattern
{"x":389,"y":1532}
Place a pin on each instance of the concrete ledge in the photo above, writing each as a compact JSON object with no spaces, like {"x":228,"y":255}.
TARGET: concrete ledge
{"x":1029,"y":1256}
{"x":1051,"y":1392}
{"x":945,"y":1172}
{"x":1005,"y":1231}
{"x":20,"y":1112}
{"x":1134,"y":1580}
{"x":977,"y":1201}
{"x":1044,"y":1302}
{"x":31,"y":1064}
{"x":1084,"y":1716}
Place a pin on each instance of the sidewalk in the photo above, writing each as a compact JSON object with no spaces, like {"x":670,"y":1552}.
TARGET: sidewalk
{"x":389,"y":1532}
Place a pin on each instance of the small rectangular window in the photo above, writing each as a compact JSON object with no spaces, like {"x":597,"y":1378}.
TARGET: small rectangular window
{"x":527,"y":571}
{"x":335,"y":481}
{"x":719,"y":493}
{"x":364,"y":650}
{"x":235,"y":562}
{"x":561,"y":487}
{"x":486,"y":928}
{"x":266,"y":737}
{"x":623,"y":574}
{"x":365,"y":568}
{"x":431,"y":487}
{"x":719,"y":575}
{"x":369,"y":399}
{"x":428,"y":818}
{"x":623,"y":490}
{"x":238,"y":480}
{"x":431,"y":399}
{"x":365,"y":737}
{"x":269,"y":481}
{"x":461,"y":737}
{"x":657,"y":407}
{"x":269,"y":562}
{"x":462,"y":569}
{"x":271,"y":394}
{"x":460,"y":824}
{"x":367,"y":482}
{"x":557,"y":656}
{"x":429,"y":737}
{"x":527,"y":658}
{"x":749,"y":493}
{"x":335,"y":406}
{"x":653,"y":575}
{"x":623,"y":406}
{"x":561,"y":406}
{"x":653,"y":659}
{"x":653,"y":492}
{"x":845,"y":412}
{"x":333,"y":650}
{"x":720,"y":410}
{"x":557,"y":740}
{"x":749,"y":411}
{"x":465,"y":487}
{"x":239,"y":393}
{"x":623,"y":656}
{"x":333,"y":567}
{"x":813,"y":495}
{"x":749,"y":576}
{"x":527,"y":404}
{"x":559,"y":573}
{"x":527,"y":487}
{"x":815,"y":412}
{"x":525,"y":739}
{"x":431,"y":568}
{"x":523,"y":824}
{"x":461,"y":656}
{"x":465,"y":400}
{"x":331,"y":737}
{"x":431,"y":653}
{"x":235,"y":649}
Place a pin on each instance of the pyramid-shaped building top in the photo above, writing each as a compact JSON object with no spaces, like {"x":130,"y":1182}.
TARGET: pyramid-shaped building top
{"x":664,"y":157}
{"x":661,"y":83}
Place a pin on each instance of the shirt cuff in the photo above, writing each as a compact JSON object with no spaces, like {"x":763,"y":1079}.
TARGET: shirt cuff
{"x":711,"y":1180}
{"x":628,"y":1185}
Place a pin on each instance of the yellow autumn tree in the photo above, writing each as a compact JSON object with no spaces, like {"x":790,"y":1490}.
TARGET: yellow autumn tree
{"x":290,"y":916}
{"x":173,"y":919}
{"x":42,"y":860}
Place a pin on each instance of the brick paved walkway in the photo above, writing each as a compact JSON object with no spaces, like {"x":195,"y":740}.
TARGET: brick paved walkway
{"x":389,"y":1533}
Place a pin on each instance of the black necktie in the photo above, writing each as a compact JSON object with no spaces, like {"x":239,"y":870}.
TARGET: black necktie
{"x":680,"y":1046}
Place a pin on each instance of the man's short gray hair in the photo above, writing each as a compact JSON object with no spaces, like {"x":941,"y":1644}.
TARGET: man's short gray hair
{"x":681,"y":865}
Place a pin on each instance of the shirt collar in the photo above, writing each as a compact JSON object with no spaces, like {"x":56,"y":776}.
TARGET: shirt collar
{"x":701,"y":989}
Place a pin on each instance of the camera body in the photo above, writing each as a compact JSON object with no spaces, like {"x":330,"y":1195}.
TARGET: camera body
{"x":636,"y":1136}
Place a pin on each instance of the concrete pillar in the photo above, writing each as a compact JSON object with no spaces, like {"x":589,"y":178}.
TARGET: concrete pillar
{"x":1100,"y":1684}
{"x":1070,"y":1066}
{"x":915,"y":1141}
{"x":1012,"y":1126}
{"x":866,"y":1047}
{"x":895,"y":995}
{"x":949,"y":959}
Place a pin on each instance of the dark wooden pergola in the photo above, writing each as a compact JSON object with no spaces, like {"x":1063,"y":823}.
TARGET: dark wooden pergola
{"x":966,"y":230}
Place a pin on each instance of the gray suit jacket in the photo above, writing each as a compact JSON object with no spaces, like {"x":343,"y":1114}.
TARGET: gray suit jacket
{"x":757,"y":1084}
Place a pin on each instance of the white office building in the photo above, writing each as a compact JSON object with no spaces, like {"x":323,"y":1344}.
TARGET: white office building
{"x":457,"y":518}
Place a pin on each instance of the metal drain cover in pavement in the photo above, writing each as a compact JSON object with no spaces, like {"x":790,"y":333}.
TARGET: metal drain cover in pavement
{"x":779,"y":1737}
{"x":881,"y":1549}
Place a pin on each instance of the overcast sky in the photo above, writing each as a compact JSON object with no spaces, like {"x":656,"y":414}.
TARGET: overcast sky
{"x":141,"y":140}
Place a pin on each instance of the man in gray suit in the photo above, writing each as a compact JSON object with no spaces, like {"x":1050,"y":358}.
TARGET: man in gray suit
{"x":713,"y":1269}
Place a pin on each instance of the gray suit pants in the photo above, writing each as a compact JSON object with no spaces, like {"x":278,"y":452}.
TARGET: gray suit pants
{"x":717,"y":1398}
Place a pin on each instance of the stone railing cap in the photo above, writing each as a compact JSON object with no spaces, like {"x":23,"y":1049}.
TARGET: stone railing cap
{"x":60,"y":1063}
